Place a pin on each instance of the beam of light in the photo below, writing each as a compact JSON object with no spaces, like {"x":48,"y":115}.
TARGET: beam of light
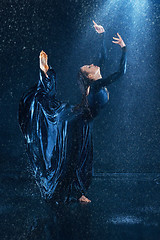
{"x":139,"y":12}
{"x":138,"y":5}
{"x":134,"y":20}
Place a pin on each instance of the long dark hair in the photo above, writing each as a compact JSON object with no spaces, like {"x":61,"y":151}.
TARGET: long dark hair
{"x":84,"y":83}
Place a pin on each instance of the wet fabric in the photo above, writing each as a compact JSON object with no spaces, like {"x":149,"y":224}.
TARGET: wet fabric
{"x":59,"y":136}
{"x":59,"y":143}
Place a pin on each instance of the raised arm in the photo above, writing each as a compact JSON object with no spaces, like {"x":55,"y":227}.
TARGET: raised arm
{"x":100,"y":59}
{"x":104,"y":82}
{"x":47,"y":75}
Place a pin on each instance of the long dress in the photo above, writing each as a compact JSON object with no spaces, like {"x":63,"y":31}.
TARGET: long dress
{"x":59,"y":137}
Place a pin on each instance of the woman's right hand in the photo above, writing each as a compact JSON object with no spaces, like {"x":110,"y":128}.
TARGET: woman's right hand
{"x":98,"y":28}
{"x":43,"y":60}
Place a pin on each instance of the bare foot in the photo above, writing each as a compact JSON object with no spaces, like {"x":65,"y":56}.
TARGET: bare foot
{"x":84,"y":199}
{"x":43,"y":58}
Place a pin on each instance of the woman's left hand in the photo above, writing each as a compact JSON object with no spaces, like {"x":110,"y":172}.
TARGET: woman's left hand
{"x":98,"y":28}
{"x":119,"y":41}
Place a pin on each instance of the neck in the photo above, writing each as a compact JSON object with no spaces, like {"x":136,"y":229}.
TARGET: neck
{"x":97,"y":77}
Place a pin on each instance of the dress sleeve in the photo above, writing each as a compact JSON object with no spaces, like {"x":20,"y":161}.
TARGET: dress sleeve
{"x":104,"y":82}
{"x":101,"y":58}
{"x":48,"y":84}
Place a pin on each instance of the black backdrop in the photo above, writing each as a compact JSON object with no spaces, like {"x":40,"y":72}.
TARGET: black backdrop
{"x":127,"y":132}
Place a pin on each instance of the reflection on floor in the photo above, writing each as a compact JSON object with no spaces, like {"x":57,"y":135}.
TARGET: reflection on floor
{"x":123,"y":207}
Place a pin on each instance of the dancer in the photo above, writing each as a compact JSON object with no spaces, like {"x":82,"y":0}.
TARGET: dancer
{"x":58,"y":135}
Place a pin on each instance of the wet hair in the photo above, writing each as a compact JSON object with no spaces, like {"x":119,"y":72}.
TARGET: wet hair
{"x":84,"y":83}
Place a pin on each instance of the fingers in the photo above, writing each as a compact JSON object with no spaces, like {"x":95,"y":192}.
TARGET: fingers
{"x":116,"y":38}
{"x":42,"y":52}
{"x":119,"y":36}
{"x":115,"y":42}
{"x":43,"y":55}
{"x":94,"y":23}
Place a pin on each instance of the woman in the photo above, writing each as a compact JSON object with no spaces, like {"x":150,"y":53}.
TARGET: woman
{"x":58,"y":136}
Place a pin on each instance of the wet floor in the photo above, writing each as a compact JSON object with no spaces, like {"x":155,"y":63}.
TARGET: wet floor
{"x":123,"y":207}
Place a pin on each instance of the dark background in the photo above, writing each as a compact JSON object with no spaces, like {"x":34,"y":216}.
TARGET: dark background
{"x":127,"y":131}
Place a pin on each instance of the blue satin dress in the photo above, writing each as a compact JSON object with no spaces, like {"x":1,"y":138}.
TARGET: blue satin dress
{"x":59,"y":137}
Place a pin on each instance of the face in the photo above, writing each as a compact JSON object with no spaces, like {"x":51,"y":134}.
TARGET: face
{"x":91,"y":71}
